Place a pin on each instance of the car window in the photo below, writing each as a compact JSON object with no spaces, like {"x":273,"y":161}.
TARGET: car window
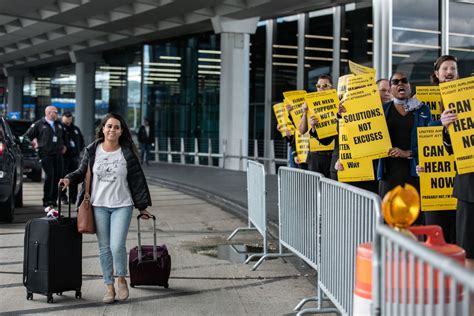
{"x":2,"y":132}
{"x":9,"y":133}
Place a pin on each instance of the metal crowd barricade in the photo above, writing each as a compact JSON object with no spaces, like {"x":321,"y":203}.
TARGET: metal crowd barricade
{"x":444,"y":287}
{"x":257,"y":216}
{"x":348,"y":217}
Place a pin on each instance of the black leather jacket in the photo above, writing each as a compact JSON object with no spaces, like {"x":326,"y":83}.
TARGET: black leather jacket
{"x":135,"y":176}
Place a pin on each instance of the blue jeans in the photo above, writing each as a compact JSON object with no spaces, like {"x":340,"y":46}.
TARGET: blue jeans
{"x":145,"y":152}
{"x":111,"y":228}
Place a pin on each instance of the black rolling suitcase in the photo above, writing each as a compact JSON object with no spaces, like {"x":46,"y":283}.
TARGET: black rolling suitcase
{"x":52,"y":261}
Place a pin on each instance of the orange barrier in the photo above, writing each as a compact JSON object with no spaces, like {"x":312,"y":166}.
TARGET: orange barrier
{"x":363,"y":275}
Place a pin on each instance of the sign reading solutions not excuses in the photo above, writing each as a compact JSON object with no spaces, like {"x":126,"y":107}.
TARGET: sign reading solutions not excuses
{"x":365,"y":123}
{"x":354,"y":169}
{"x":458,"y":95}
{"x":436,"y":182}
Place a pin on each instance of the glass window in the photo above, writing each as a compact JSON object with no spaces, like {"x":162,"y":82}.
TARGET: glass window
{"x":356,"y":40}
{"x":257,"y":83}
{"x":181,"y":79}
{"x":461,"y":38}
{"x":318,"y":47}
{"x":416,"y":43}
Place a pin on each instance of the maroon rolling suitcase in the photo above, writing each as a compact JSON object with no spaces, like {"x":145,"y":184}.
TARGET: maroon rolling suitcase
{"x":149,"y":265}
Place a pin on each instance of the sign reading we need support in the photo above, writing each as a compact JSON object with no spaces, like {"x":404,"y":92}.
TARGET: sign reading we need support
{"x":366,"y":125}
{"x":354,"y":169}
{"x":285,"y":126}
{"x":295,"y":98}
{"x":436,"y":182}
{"x":430,"y":96}
{"x":458,"y":95}
{"x":323,"y":105}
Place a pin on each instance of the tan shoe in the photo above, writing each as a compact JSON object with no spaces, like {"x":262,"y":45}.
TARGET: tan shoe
{"x":122,"y":289}
{"x":109,"y":296}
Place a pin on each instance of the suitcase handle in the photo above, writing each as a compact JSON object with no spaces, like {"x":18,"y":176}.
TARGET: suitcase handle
{"x":155,"y":255}
{"x":60,"y":186}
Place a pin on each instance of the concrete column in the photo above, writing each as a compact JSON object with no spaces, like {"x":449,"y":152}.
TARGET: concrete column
{"x":234,"y":86}
{"x":382,"y":46}
{"x":85,"y":84}
{"x":15,"y":89}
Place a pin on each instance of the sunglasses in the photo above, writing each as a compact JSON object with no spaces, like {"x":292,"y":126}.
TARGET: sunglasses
{"x":324,"y":85}
{"x":395,"y":82}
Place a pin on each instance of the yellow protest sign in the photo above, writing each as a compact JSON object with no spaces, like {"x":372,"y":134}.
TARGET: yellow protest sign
{"x":430,"y":96}
{"x":458,"y":95}
{"x":342,"y":85}
{"x":354,"y":169}
{"x":323,"y":105}
{"x":436,"y":182}
{"x":361,"y":81}
{"x":358,"y":69}
{"x":366,"y":124}
{"x":283,"y":121}
{"x":315,"y":145}
{"x":295,"y":98}
{"x":302,"y":146}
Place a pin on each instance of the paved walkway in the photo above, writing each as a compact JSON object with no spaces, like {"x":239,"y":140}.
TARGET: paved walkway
{"x":201,"y":283}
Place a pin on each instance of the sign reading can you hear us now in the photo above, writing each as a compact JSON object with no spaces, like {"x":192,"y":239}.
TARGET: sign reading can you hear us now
{"x":436,"y":182}
{"x":458,"y":95}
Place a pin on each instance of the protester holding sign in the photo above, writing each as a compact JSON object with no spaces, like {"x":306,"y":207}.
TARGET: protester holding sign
{"x":404,"y":115}
{"x":318,"y":161}
{"x":445,"y":69}
{"x":463,"y":182}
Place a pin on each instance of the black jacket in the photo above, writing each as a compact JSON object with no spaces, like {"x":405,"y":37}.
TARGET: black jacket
{"x":143,"y":138}
{"x":42,"y":131}
{"x":135,"y":176}
{"x":75,"y":142}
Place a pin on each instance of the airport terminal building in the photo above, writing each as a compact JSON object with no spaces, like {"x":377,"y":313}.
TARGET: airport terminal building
{"x":211,"y":70}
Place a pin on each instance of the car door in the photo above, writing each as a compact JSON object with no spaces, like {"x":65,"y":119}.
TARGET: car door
{"x":17,"y":156}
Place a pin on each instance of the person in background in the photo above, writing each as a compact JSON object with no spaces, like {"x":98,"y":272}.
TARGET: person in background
{"x":445,"y":69}
{"x":318,"y":161}
{"x":74,"y":146}
{"x":145,"y":139}
{"x":403,"y":115}
{"x":117,"y":184}
{"x":51,"y":144}
{"x":384,"y":90}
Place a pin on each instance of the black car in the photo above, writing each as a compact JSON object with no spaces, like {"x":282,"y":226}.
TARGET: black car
{"x":11,"y":172}
{"x":31,"y":162}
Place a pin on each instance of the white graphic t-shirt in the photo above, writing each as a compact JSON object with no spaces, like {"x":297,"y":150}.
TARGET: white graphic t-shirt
{"x":109,"y":184}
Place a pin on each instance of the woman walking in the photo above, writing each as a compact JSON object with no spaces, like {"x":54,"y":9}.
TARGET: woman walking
{"x":117,"y":185}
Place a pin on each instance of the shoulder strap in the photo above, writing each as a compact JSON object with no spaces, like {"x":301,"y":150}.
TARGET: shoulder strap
{"x":88,"y":180}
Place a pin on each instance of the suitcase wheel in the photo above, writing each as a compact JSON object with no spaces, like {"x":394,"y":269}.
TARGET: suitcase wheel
{"x":29,"y":296}
{"x":132,"y":285}
{"x":78,"y":294}
{"x":166,"y":285}
{"x":50,"y":298}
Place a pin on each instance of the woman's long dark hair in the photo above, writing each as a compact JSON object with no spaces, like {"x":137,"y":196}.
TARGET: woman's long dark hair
{"x":125,"y":140}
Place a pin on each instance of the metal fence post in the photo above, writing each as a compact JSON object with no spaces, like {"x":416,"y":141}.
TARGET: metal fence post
{"x":241,"y":154}
{"x":224,"y":148}
{"x":157,"y":149}
{"x":209,"y":151}
{"x":170,"y":158}
{"x":183,"y":160}
{"x":272,"y":158}
{"x":196,"y":151}
{"x":255,"y":149}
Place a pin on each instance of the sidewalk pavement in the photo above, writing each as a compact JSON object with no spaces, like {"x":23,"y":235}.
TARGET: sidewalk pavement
{"x":226,"y":188}
{"x":200,"y":283}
